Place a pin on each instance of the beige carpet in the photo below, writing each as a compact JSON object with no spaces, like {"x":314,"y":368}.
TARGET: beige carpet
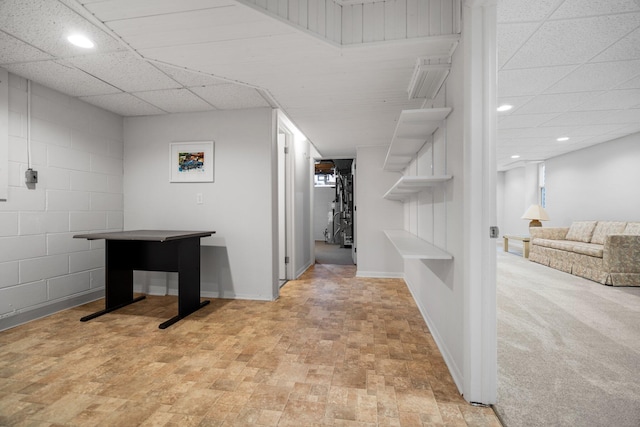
{"x":568,"y":348}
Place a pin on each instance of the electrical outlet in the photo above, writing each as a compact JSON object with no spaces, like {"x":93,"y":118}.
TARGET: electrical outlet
{"x":199,"y":199}
{"x":31,"y":176}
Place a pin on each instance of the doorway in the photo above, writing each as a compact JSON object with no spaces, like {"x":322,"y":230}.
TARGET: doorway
{"x":334,"y":220}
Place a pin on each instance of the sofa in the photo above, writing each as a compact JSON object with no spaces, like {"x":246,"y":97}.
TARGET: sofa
{"x":607,"y":252}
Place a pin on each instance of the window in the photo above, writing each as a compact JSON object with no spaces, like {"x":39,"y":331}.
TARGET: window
{"x":541,"y":185}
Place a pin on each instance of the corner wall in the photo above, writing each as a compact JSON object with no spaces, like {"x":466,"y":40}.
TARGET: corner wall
{"x":595,"y":183}
{"x":376,"y":255}
{"x":237,"y":262}
{"x":77,"y":150}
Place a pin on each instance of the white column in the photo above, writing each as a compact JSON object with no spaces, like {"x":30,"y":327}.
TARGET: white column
{"x":480,"y":343}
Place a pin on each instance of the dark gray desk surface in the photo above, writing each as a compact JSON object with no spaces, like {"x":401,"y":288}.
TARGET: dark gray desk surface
{"x":145,"y":235}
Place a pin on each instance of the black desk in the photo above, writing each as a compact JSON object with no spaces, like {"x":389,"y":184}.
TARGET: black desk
{"x":151,"y":250}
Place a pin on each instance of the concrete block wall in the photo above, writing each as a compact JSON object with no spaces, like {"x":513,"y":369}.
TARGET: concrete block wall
{"x":77,"y":150}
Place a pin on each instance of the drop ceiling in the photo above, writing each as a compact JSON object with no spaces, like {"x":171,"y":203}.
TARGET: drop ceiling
{"x":569,"y":67}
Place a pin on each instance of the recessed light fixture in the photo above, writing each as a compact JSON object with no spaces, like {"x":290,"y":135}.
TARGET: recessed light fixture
{"x":562,"y":138}
{"x":505,"y":107}
{"x":515,"y":156}
{"x":80,"y":41}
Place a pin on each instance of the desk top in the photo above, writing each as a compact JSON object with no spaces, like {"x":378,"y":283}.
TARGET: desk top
{"x":145,"y":235}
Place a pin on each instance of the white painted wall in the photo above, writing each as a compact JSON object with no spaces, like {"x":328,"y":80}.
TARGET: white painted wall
{"x":598,"y":182}
{"x":436,"y":216}
{"x":323,"y":197}
{"x":302,"y":205}
{"x":238,"y":261}
{"x":77,"y":150}
{"x":376,"y":255}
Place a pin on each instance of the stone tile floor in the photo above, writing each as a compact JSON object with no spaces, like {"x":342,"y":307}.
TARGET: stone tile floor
{"x":333,"y":350}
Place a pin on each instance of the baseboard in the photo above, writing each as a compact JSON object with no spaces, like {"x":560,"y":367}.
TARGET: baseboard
{"x":455,"y":372}
{"x":379,"y":274}
{"x":23,"y":317}
{"x":303,"y":269}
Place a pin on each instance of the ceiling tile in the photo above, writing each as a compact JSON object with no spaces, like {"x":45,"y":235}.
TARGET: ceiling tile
{"x":525,"y":120}
{"x":525,"y":10}
{"x":46,"y":24}
{"x":14,"y":50}
{"x":575,"y":8}
{"x":511,"y":37}
{"x":572,"y":41}
{"x":125,"y":9}
{"x":597,"y":76}
{"x":123,"y":104}
{"x":612,"y":100}
{"x":516,"y":101}
{"x":555,"y":103}
{"x":633,"y":83}
{"x":187,"y":77}
{"x":530,"y":81}
{"x":174,"y":100}
{"x":579,"y":118}
{"x":125,"y":70}
{"x":630,"y":116}
{"x":626,"y":48}
{"x":62,"y":78}
{"x":230,"y":96}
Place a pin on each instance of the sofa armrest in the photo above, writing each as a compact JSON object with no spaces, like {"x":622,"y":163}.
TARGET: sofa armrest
{"x":553,"y":233}
{"x":622,"y":253}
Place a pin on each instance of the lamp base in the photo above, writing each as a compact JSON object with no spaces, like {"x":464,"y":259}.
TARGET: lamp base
{"x":535,"y":223}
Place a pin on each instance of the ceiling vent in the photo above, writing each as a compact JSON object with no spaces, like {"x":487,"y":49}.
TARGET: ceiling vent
{"x":428,"y":77}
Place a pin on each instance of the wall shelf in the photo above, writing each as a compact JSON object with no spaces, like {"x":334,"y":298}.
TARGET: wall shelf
{"x":411,"y":246}
{"x":408,"y":185}
{"x":413,"y":129}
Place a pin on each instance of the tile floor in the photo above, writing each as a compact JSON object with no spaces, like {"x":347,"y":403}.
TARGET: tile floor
{"x":334,"y":350}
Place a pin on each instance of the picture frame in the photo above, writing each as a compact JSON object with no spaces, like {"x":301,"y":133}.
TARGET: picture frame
{"x":191,"y":161}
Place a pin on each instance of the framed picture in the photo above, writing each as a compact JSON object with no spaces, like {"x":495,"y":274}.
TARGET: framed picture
{"x":191,"y":161}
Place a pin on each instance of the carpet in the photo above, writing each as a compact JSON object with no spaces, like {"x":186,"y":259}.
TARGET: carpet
{"x":332,"y":254}
{"x":568,"y":348}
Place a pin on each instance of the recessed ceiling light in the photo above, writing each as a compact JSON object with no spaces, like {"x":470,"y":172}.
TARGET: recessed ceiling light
{"x":562,"y":138}
{"x":505,"y":107}
{"x":515,"y":156}
{"x":80,"y":41}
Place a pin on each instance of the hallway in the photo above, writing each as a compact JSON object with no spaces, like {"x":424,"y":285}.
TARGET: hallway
{"x":333,"y":350}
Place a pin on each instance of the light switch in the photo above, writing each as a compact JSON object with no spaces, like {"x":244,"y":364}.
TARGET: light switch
{"x":199,"y":199}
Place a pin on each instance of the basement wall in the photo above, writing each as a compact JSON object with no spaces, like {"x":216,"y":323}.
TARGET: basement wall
{"x":77,"y":150}
{"x":595,"y":183}
{"x":237,"y":262}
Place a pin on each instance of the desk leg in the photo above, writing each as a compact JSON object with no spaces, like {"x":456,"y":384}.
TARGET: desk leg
{"x":525,"y":249}
{"x":118,"y":279}
{"x":188,"y":280}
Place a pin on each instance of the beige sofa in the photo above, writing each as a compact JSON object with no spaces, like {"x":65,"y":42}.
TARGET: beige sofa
{"x":607,"y":252}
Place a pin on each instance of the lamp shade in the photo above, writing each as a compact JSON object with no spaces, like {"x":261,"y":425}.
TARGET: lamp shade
{"x":535,"y":213}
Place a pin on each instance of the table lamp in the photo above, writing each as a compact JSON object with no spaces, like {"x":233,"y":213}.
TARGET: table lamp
{"x":536,"y":214}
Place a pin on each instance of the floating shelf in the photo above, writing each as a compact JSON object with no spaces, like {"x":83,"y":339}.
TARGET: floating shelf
{"x":413,"y":129}
{"x":411,"y":246}
{"x":408,"y":185}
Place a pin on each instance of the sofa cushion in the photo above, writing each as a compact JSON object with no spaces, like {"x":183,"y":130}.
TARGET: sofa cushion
{"x":604,"y":228}
{"x":563,"y":245}
{"x":632,"y":228}
{"x":591,"y":249}
{"x":581,"y":231}
{"x":543,"y":242}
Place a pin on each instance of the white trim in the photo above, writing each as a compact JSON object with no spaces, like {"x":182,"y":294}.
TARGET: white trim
{"x":379,"y":274}
{"x":479,"y":323}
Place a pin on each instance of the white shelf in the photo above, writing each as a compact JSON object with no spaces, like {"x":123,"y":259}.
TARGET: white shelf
{"x":413,"y":129}
{"x":411,"y":246}
{"x":408,"y":185}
